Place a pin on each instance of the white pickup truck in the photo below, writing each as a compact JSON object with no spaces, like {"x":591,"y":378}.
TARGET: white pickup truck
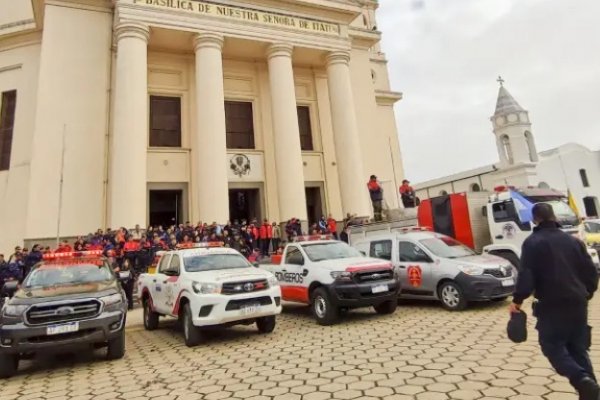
{"x":209,"y":287}
{"x":331,"y":276}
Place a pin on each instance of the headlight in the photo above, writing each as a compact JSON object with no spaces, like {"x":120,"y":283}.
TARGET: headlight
{"x":14,"y":311}
{"x":471,"y":270}
{"x":112,"y":299}
{"x":341,"y":275}
{"x":273,"y":281}
{"x":206,"y":288}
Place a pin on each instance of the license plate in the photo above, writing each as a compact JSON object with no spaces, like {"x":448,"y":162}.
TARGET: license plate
{"x":249,"y":309}
{"x":380,"y":288}
{"x":508,"y":282}
{"x":63,"y":328}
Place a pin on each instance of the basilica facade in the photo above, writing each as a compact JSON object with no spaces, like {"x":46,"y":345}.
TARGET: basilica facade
{"x":125,"y":112}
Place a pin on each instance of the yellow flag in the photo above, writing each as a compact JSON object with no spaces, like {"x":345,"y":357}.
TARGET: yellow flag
{"x":572,"y":203}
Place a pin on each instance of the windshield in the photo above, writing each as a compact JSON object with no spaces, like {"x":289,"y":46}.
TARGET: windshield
{"x":564,"y":214}
{"x":446,"y":247}
{"x":592,"y":227}
{"x":47,"y":275}
{"x":214,"y":262}
{"x":329,"y":251}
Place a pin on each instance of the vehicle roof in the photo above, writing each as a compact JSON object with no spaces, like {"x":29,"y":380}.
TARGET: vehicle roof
{"x":414,"y":235}
{"x":201,"y":251}
{"x":316,"y":242}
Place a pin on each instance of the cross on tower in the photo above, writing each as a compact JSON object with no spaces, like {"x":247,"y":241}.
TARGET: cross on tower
{"x":500,"y":81}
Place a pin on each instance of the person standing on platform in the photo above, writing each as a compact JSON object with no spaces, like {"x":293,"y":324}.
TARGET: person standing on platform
{"x":332,"y":226}
{"x":557,"y":269}
{"x":407,"y":193}
{"x":376,"y":193}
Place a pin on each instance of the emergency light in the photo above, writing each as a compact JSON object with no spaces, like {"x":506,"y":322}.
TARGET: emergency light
{"x":312,"y":237}
{"x":72,"y":254}
{"x":416,"y":229}
{"x":206,"y":245}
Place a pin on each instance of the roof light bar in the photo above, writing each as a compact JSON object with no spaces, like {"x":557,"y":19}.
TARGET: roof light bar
{"x":307,"y":238}
{"x":72,"y":254}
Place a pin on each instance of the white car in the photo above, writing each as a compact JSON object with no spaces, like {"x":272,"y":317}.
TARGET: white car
{"x":331,"y":276}
{"x":209,"y":287}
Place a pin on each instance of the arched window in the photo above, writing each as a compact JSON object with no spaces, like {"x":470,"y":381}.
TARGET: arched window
{"x":543,"y":185}
{"x":507,"y":149}
{"x":475,"y":187}
{"x":533,"y":157}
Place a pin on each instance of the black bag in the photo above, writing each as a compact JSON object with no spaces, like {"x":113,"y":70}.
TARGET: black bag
{"x":517,"y":327}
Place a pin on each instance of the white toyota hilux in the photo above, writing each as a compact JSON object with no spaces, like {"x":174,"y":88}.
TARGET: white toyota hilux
{"x":331,"y":276}
{"x":209,"y":287}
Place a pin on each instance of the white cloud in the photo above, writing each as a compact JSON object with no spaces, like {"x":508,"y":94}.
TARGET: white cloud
{"x":445,"y":56}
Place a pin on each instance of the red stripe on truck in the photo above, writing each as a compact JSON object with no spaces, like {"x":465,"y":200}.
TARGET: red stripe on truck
{"x":362,"y":268}
{"x":295,"y":293}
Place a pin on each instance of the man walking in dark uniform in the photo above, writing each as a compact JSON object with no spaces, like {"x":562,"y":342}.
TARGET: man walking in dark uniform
{"x":557,"y":270}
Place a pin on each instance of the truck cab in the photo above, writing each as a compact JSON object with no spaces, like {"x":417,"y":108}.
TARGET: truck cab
{"x":509,"y":219}
{"x":209,"y":286}
{"x":330,"y":276}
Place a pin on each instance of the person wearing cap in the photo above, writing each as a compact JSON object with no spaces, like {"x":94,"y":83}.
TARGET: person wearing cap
{"x":407,"y":193}
{"x":376,"y":193}
{"x":557,"y":269}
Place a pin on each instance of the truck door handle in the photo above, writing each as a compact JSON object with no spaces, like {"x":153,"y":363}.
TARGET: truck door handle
{"x":403,"y":266}
{"x":283,"y":270}
{"x":304,"y":272}
{"x":165,"y":282}
{"x":154,"y":280}
{"x":499,"y":237}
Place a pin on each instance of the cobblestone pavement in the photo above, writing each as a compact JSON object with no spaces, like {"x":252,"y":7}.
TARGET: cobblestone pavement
{"x":420,"y":353}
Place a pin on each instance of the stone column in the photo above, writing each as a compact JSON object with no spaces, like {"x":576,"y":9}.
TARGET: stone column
{"x":346,"y":136}
{"x":209,"y":145}
{"x":286,"y":133}
{"x":128,"y":158}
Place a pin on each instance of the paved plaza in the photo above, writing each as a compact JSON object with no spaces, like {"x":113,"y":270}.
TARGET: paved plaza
{"x":420,"y":353}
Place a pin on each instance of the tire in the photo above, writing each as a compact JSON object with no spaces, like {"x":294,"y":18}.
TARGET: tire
{"x":452,"y":296}
{"x":266,"y":324}
{"x":150,"y":317}
{"x":387,"y":307}
{"x":510,"y":256}
{"x":323,"y":309}
{"x":9,"y":364}
{"x":116,"y":347}
{"x":191,"y":333}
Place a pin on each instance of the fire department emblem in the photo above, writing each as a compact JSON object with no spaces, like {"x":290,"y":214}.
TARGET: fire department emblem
{"x":415,"y":276}
{"x":509,"y":231}
{"x":240,"y":165}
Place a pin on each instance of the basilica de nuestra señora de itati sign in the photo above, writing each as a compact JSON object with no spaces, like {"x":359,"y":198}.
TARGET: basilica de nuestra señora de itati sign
{"x":245,"y":14}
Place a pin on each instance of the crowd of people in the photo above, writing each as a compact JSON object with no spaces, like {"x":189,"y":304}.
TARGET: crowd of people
{"x":136,"y":248}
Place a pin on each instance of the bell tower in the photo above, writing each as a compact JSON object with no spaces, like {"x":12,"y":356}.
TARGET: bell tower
{"x":512,"y":129}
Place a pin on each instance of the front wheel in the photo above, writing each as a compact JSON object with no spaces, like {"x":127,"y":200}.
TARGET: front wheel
{"x":387,"y":307}
{"x":116,"y":346}
{"x":150,"y":316}
{"x":452,"y":296}
{"x":9,"y":364}
{"x":323,"y":309}
{"x":266,"y":324}
{"x":191,"y":333}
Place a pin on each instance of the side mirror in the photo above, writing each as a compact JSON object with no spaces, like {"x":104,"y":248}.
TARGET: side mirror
{"x":10,"y":288}
{"x":124,"y":276}
{"x":255,"y":264}
{"x":171,"y":272}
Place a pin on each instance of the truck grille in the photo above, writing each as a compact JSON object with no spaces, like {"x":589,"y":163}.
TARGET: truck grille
{"x":63,"y":312}
{"x":244,"y":287}
{"x":505,"y":272}
{"x":373,"y":276}
{"x":238,"y":304}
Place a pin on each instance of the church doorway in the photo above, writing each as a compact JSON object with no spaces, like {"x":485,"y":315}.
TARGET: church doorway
{"x":244,"y":204}
{"x":314,"y":204}
{"x":166,"y":207}
{"x":591,"y":206}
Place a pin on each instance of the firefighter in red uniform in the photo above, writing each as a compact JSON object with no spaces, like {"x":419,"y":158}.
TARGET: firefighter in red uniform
{"x":376,"y":193}
{"x":266,"y":234}
{"x":409,"y":199}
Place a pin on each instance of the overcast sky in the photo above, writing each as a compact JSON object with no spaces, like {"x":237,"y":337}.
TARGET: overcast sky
{"x":445,"y":56}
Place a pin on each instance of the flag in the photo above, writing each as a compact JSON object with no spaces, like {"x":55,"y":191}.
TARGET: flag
{"x":572,"y":203}
{"x":523,"y":206}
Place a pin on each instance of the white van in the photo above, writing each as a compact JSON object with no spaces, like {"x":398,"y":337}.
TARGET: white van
{"x":433,"y":266}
